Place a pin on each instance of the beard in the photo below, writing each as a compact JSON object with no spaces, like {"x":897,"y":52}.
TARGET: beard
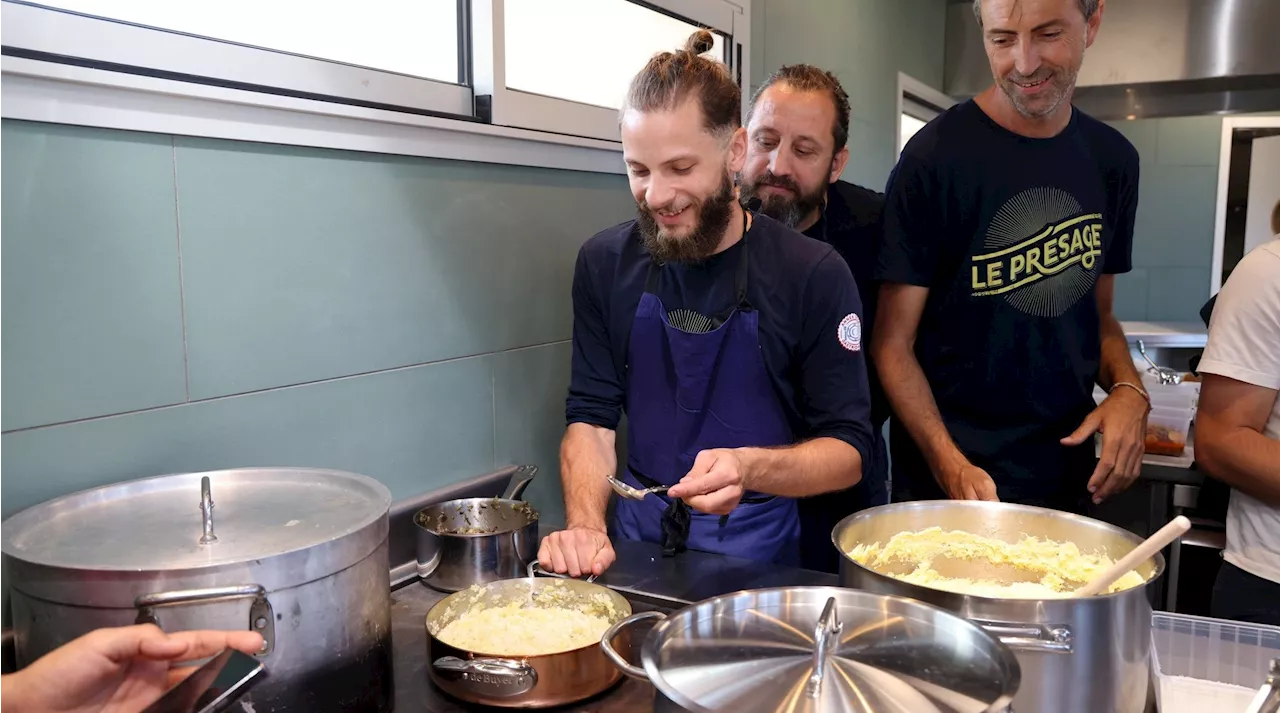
{"x":1058,"y":88}
{"x":713,"y":214}
{"x":789,"y":210}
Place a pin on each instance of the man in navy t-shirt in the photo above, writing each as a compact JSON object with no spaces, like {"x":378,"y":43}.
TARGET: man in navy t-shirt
{"x":1006,"y":221}
{"x":732,"y":343}
{"x":797,"y":131}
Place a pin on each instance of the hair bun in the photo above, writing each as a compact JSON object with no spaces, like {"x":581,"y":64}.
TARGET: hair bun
{"x":700,"y":42}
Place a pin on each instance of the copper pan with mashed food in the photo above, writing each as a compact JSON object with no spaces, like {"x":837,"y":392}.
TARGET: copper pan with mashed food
{"x":529,"y":642}
{"x":1012,"y":569}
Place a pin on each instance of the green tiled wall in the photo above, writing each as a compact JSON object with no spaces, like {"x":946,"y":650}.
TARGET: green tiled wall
{"x":1173,"y":237}
{"x":182,"y":304}
{"x":865,"y":43}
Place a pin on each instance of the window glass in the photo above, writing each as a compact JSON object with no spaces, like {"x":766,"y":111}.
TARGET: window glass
{"x":587,"y":50}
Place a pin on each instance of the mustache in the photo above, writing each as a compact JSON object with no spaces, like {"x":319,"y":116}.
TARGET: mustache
{"x":644,"y":205}
{"x":1037,"y":76}
{"x":770,"y":179}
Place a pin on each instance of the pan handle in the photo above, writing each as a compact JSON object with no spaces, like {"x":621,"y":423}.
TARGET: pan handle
{"x":261,"y":616}
{"x":534,"y":569}
{"x":606,"y":643}
{"x":1031,"y":637}
{"x":519,"y":481}
{"x":491,"y":678}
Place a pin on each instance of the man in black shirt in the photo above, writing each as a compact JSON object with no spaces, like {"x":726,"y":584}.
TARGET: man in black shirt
{"x":797,"y":130}
{"x":1006,"y":221}
{"x":732,"y":343}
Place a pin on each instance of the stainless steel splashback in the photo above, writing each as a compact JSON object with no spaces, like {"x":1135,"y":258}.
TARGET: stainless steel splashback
{"x":1153,"y":58}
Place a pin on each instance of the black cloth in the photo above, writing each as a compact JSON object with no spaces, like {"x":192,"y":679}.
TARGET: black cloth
{"x":801,"y":288}
{"x":1011,"y":235}
{"x":1244,"y":596}
{"x":850,"y":223}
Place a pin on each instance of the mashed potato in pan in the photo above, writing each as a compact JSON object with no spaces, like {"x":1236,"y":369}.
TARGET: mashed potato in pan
{"x":1060,"y":567}
{"x":553,"y":621}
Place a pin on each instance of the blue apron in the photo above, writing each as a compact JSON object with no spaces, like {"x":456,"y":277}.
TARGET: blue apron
{"x":688,"y":392}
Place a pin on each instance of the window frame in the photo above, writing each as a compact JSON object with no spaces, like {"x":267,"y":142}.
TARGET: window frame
{"x":520,"y":109}
{"x":1229,"y":126}
{"x":39,"y":33}
{"x":67,"y":68}
{"x":918,"y":100}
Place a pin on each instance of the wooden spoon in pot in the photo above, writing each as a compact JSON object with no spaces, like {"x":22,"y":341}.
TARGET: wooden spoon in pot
{"x":1176,"y":528}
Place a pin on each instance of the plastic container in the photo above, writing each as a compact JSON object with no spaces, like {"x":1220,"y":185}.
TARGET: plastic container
{"x":1180,"y":396}
{"x":1167,"y":430}
{"x":1204,"y":665}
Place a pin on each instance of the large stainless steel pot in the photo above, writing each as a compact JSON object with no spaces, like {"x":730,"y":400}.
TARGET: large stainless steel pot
{"x":299,"y":555}
{"x":818,"y":649}
{"x":1078,"y":655}
{"x":478,"y":540}
{"x":494,"y":678}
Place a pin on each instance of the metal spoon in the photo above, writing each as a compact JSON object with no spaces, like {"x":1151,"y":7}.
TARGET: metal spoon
{"x":1165,"y":374}
{"x":629,"y":492}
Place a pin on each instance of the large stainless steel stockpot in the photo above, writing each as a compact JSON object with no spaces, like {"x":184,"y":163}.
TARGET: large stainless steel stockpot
{"x":817,"y":650}
{"x":299,"y":555}
{"x":1078,"y":655}
{"x":478,"y":540}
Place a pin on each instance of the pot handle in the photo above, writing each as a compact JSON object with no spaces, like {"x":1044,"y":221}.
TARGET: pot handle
{"x":1031,"y":637}
{"x":261,"y":616}
{"x":519,"y":481}
{"x":606,"y":643}
{"x":534,"y":569}
{"x":490,"y":678}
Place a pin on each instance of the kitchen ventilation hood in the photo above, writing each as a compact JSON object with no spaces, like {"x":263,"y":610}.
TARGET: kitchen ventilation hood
{"x":1153,"y":58}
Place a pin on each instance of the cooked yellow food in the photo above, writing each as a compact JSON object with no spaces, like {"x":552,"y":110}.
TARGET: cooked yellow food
{"x":1051,"y":569}
{"x":553,"y":620}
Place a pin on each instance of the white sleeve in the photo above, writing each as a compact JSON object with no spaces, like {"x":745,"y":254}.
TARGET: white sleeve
{"x":1244,"y":331}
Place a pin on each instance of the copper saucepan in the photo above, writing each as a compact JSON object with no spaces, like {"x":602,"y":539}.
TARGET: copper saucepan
{"x":495,"y":678}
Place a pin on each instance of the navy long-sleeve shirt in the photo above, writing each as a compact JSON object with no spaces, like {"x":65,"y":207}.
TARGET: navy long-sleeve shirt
{"x":810,"y":318}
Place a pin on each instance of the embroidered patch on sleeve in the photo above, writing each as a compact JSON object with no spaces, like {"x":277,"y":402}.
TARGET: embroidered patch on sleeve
{"x":850,"y":333}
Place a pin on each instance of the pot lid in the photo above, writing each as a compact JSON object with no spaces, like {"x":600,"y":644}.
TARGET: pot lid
{"x":827,"y":649}
{"x":157,"y":525}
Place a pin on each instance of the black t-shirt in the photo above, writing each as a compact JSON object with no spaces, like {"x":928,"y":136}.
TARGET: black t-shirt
{"x":1011,"y":235}
{"x":850,"y":223}
{"x":801,"y":288}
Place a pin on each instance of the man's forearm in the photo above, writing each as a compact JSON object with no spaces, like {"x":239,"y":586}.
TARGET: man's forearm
{"x":908,"y":391}
{"x":1116,"y":363}
{"x":14,"y":690}
{"x":1242,"y":458}
{"x":815,"y":466}
{"x":587,"y":455}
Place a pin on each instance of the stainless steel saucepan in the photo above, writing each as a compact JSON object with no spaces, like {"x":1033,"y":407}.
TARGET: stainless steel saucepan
{"x":478,"y":540}
{"x":817,"y":650}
